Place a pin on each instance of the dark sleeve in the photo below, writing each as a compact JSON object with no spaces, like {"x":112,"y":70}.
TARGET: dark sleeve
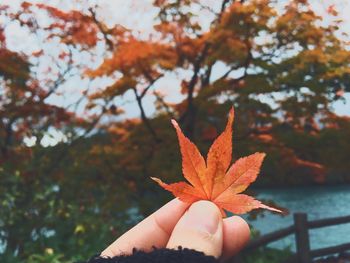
{"x":163,"y":255}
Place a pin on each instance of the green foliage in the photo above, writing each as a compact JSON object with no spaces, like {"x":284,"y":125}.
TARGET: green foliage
{"x":267,"y":255}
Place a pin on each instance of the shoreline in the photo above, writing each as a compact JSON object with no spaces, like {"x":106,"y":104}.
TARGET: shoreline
{"x":258,"y":186}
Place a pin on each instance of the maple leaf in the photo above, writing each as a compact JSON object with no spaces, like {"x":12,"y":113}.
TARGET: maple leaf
{"x":214,"y":179}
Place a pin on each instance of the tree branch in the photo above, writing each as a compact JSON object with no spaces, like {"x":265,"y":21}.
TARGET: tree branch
{"x":8,"y":136}
{"x":151,"y":82}
{"x":101,"y":28}
{"x":222,"y":9}
{"x":206,"y":77}
{"x":144,"y":116}
{"x":193,"y":81}
{"x":160,"y":99}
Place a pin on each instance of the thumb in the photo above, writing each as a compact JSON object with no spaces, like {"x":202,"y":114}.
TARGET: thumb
{"x":200,"y":228}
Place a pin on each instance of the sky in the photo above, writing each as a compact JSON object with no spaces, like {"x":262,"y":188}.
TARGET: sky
{"x":139,"y":15}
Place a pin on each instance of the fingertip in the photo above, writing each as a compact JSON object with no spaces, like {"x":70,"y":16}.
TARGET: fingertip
{"x":200,"y":229}
{"x":153,"y":231}
{"x":236,"y":234}
{"x":169,"y":214}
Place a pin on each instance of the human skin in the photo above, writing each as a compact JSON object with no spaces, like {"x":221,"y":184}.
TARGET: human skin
{"x":199,"y":226}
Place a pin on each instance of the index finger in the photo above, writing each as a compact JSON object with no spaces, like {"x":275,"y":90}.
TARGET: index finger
{"x":153,"y":231}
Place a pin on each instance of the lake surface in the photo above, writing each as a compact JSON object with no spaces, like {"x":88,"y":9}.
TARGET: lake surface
{"x":318,"y":202}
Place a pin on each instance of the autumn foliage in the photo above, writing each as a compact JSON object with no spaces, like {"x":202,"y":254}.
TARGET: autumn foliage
{"x":85,"y":106}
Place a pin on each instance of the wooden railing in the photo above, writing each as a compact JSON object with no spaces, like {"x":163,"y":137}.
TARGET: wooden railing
{"x":300,"y":229}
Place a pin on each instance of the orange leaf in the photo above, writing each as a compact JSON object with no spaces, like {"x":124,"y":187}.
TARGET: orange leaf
{"x":188,"y":193}
{"x":219,"y":156}
{"x":193,"y":164}
{"x":241,"y":174}
{"x":240,"y":203}
{"x":214,"y":180}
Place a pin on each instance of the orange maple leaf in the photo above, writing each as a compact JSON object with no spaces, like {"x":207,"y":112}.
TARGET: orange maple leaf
{"x":214,"y":180}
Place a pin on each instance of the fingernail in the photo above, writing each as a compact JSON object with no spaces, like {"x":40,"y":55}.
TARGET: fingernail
{"x":203,"y":216}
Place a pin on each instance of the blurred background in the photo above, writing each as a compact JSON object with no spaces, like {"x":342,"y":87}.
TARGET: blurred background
{"x":88,"y":89}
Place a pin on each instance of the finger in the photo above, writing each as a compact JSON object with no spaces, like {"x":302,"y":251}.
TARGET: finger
{"x":200,"y":228}
{"x":236,"y":234}
{"x":154,"y":231}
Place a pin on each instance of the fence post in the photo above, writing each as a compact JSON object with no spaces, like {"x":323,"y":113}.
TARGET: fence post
{"x":302,"y":238}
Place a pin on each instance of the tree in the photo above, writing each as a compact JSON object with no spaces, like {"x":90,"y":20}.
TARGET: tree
{"x":29,"y":187}
{"x":279,"y":67}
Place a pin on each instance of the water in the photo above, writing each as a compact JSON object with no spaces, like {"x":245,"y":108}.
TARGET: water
{"x":318,"y":202}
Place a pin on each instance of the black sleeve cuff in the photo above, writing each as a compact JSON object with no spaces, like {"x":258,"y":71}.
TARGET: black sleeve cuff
{"x":163,"y":255}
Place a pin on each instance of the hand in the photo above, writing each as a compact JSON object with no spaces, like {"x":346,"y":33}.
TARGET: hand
{"x":201,"y":227}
